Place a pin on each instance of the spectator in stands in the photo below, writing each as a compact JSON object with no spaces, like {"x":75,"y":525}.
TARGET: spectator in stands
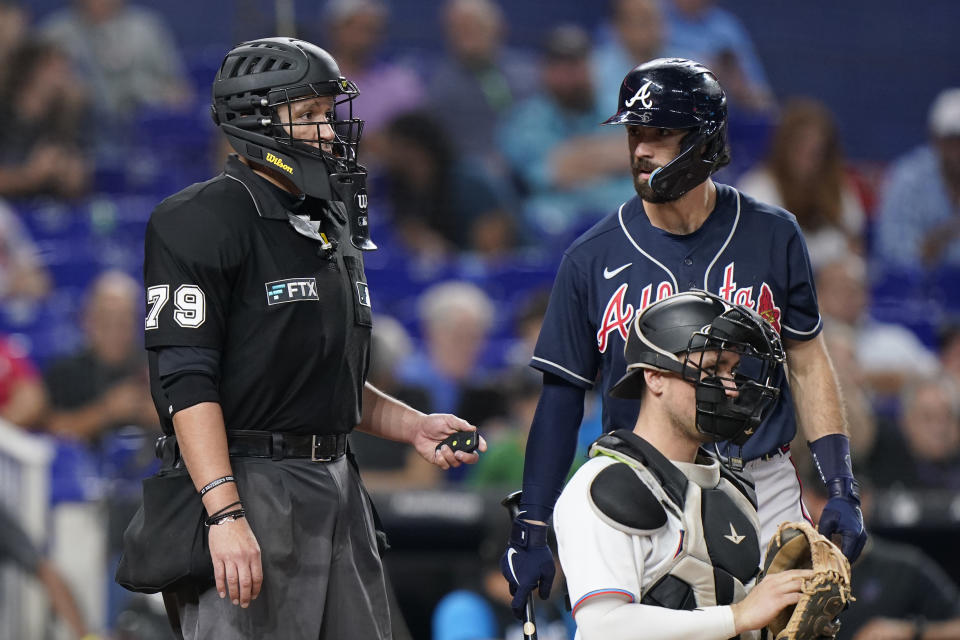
{"x":43,"y":108}
{"x":455,"y":318}
{"x":16,"y":547}
{"x":526,"y":327}
{"x":699,"y":30}
{"x":900,"y":593}
{"x":861,"y":421}
{"x":126,"y":54}
{"x":14,"y":27}
{"x":23,"y":277}
{"x":104,"y":386}
{"x":23,"y":398}
{"x":890,"y":354}
{"x":354,"y":32}
{"x":919,"y":221}
{"x":502,"y":465}
{"x":479,"y":608}
{"x":863,"y":424}
{"x":635,"y":34}
{"x":388,"y":465}
{"x":573,"y":170}
{"x":950,"y":349}
{"x":478,"y":81}
{"x":440,"y":202}
{"x":804,"y":173}
{"x":925,"y":452}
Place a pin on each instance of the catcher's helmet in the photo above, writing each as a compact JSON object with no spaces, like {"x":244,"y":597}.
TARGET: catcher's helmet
{"x":675,"y":93}
{"x":666,"y":333}
{"x":257,"y":81}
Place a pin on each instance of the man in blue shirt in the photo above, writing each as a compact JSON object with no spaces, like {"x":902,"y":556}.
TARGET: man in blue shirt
{"x":568,"y":165}
{"x":698,"y":30}
{"x":919,"y":221}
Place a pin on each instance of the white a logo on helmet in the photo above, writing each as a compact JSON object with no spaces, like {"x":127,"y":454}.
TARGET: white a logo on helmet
{"x":643,"y":95}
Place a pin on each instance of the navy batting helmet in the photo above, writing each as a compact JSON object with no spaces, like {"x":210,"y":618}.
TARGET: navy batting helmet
{"x":674,"y":93}
{"x":256,"y":84}
{"x":666,"y":333}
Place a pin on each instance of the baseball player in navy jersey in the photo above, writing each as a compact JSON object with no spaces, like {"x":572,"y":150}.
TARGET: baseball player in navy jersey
{"x":654,"y":534}
{"x":682,"y":231}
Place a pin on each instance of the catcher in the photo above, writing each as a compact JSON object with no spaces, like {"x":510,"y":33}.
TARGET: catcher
{"x":658,"y":540}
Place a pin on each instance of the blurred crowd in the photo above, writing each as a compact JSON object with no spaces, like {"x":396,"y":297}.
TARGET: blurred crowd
{"x":485,"y":160}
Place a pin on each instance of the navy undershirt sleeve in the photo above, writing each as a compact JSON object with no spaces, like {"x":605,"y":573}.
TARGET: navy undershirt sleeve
{"x":551,"y":446}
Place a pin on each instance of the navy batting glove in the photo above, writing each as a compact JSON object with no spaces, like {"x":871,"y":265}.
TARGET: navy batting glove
{"x":842,"y":515}
{"x":527,"y":564}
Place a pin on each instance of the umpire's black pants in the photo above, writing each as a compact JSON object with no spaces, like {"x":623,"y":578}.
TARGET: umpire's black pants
{"x":322,"y":575}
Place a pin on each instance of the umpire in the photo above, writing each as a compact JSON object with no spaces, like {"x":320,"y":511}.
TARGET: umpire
{"x":258,"y":331}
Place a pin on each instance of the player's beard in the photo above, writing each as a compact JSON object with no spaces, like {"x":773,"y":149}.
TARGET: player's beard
{"x":643,"y":188}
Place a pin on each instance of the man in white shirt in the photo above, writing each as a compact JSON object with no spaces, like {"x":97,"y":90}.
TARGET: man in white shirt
{"x":657,"y":539}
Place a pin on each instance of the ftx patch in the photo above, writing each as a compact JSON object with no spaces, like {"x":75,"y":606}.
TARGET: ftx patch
{"x":291,"y":290}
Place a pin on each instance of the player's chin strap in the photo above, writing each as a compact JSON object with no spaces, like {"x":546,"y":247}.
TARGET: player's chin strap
{"x":688,"y":169}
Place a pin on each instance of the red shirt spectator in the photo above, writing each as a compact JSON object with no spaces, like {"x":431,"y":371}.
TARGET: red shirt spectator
{"x":22,"y":395}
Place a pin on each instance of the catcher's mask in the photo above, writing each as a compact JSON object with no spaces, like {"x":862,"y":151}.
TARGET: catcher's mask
{"x":253,"y":96}
{"x":673,"y":335}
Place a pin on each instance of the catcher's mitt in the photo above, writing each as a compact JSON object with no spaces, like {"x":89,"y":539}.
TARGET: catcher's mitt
{"x":797,"y":545}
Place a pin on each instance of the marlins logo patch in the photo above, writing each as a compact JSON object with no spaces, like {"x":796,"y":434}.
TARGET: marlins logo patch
{"x":291,"y":290}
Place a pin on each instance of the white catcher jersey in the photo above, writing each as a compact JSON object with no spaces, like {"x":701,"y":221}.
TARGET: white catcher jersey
{"x":601,"y":558}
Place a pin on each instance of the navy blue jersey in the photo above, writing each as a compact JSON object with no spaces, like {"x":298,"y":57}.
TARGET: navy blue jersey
{"x":746,"y":251}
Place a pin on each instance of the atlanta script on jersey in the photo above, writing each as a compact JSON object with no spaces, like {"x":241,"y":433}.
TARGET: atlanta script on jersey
{"x":748,"y":252}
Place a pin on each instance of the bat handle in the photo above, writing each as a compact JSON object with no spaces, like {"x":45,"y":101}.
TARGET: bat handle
{"x":529,"y":620}
{"x":512,"y":504}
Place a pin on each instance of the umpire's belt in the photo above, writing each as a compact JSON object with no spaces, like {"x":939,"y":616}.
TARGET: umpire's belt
{"x":271,"y":444}
{"x":277,"y":446}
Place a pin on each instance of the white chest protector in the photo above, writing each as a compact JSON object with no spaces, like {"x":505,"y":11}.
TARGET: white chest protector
{"x":719,"y":552}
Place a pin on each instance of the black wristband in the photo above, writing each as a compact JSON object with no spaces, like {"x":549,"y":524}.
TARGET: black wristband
{"x":220,"y":511}
{"x":228,"y":516}
{"x":216,"y":483}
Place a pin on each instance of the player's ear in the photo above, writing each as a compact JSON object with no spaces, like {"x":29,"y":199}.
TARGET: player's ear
{"x":653,"y":381}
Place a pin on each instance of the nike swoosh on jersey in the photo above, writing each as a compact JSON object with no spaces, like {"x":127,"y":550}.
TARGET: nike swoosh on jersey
{"x":609,"y":274}
{"x":510,"y":553}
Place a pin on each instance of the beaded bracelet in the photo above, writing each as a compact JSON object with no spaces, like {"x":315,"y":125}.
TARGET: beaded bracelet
{"x":216,"y":483}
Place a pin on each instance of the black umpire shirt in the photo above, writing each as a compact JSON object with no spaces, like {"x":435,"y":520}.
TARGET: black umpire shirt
{"x":226,"y":269}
